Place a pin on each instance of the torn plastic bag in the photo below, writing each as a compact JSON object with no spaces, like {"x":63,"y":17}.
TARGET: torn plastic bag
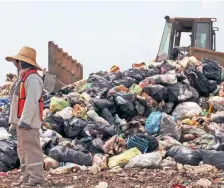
{"x":126,"y":81}
{"x":54,"y":123}
{"x":102,"y":103}
{"x":152,"y":160}
{"x":8,"y":155}
{"x":184,"y":155}
{"x":182,"y":92}
{"x":58,"y":104}
{"x":123,"y":158}
{"x":217,"y":103}
{"x":66,"y":154}
{"x":74,"y":127}
{"x":169,"y":127}
{"x":152,"y":124}
{"x":200,"y":82}
{"x":214,"y":158}
{"x":186,"y":110}
{"x":157,"y":92}
{"x":105,"y":113}
{"x":66,"y":113}
{"x":212,"y":69}
{"x":96,"y":118}
{"x":135,"y":89}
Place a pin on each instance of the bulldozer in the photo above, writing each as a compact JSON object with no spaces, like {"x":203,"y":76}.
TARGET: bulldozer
{"x":189,"y":36}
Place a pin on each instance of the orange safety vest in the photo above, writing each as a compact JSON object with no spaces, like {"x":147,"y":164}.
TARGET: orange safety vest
{"x":22,"y":95}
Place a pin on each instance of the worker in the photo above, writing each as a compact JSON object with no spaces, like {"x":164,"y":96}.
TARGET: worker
{"x":26,"y":116}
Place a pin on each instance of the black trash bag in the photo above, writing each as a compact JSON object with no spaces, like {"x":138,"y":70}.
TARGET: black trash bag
{"x":200,"y":82}
{"x":95,"y":131}
{"x":74,"y":127}
{"x":139,"y":108}
{"x":66,"y":154}
{"x":214,"y":158}
{"x":8,"y":155}
{"x":126,"y":96}
{"x":212,"y":70}
{"x":106,"y":114}
{"x":56,"y":123}
{"x":96,"y":146}
{"x":184,"y":155}
{"x":102,"y":103}
{"x":47,"y":100}
{"x":137,"y":74}
{"x":82,"y":144}
{"x":124,"y":108}
{"x":156,"y":91}
{"x":126,"y":81}
{"x":4,"y":117}
{"x":153,"y":71}
{"x":153,"y":142}
{"x":51,"y":144}
{"x":182,"y":92}
{"x":99,"y":82}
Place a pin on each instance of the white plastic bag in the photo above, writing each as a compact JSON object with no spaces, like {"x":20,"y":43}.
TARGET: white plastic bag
{"x":153,"y":160}
{"x":186,"y":110}
{"x":4,"y":135}
{"x":66,"y":113}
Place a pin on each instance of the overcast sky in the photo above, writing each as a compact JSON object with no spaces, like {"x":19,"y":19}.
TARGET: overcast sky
{"x":97,"y":34}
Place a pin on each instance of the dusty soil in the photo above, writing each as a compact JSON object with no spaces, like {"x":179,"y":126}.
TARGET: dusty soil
{"x":131,"y":178}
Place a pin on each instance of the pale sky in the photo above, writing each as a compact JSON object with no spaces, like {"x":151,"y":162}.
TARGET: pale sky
{"x":97,"y":34}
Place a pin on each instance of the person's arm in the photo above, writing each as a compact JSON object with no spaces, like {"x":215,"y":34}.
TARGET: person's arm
{"x":33,"y":89}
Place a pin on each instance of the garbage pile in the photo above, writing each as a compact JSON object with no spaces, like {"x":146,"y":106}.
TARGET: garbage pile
{"x":139,"y":117}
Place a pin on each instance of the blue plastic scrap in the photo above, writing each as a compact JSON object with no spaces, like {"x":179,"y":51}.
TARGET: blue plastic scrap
{"x":152,"y":124}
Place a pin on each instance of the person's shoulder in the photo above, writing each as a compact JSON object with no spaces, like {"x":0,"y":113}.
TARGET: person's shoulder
{"x":34,"y":77}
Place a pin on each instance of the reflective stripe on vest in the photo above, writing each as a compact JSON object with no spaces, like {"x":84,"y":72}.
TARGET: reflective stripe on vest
{"x":22,"y":95}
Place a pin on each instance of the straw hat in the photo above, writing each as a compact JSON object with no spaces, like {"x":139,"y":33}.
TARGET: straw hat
{"x":27,"y":55}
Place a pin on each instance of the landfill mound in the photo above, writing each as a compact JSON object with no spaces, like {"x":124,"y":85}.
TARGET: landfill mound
{"x":156,"y":116}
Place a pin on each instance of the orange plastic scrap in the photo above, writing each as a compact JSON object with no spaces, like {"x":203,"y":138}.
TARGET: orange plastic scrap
{"x":138,"y":65}
{"x":121,"y":88}
{"x":115,"y":68}
{"x":80,"y":112}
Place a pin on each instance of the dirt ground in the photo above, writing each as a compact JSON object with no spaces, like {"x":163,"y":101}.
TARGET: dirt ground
{"x":130,"y":178}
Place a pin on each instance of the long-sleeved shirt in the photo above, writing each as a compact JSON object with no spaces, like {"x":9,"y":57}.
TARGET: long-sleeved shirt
{"x":31,"y":112}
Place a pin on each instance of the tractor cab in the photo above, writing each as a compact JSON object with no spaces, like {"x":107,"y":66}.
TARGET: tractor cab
{"x":180,"y":34}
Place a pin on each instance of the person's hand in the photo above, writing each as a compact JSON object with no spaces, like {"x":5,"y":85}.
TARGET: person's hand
{"x":12,"y":129}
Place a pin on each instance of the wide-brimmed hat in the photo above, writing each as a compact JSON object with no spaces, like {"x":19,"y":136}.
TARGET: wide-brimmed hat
{"x":27,"y":55}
